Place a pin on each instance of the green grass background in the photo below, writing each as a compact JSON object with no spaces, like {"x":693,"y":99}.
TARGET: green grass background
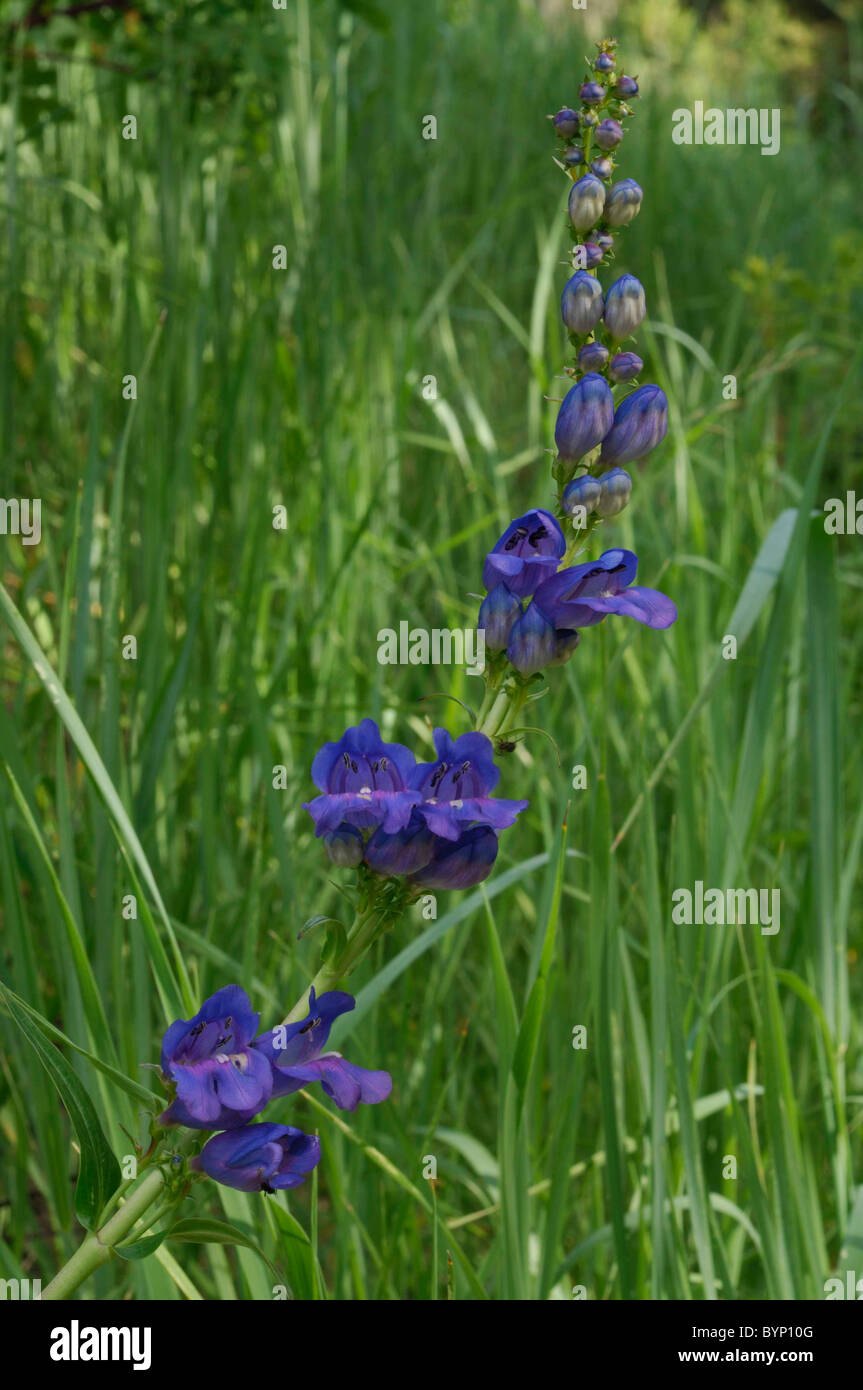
{"x":600,"y":1168}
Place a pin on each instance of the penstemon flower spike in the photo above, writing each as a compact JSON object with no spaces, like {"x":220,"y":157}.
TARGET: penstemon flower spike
{"x":405,"y":828}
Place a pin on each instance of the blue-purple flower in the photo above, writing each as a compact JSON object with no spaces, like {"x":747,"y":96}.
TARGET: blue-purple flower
{"x":344,"y":846}
{"x":622,"y":203}
{"x":259,"y":1158}
{"x":591,"y":93}
{"x":405,"y":851}
{"x":581,"y":492}
{"x":498,"y":611}
{"x":529,"y":550}
{"x":461,"y":863}
{"x":565,"y":122}
{"x":592,"y":357}
{"x":363,"y":781}
{"x":604,"y":62}
{"x":608,"y":134}
{"x":584,"y":418}
{"x":220,"y":1080}
{"x":624,"y":366}
{"x":456,"y":788}
{"x":602,"y":167}
{"x":615,"y":490}
{"x":581,"y":302}
{"x":640,"y":423}
{"x":585,"y":594}
{"x":626,"y":86}
{"x":586,"y":201}
{"x":536,"y":643}
{"x":625,"y":306}
{"x":294,"y":1053}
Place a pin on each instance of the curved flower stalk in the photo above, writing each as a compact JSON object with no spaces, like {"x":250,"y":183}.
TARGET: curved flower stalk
{"x":401,"y":827}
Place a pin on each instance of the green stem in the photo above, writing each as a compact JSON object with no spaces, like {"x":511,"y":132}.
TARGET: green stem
{"x":365,"y":928}
{"x":97,"y":1249}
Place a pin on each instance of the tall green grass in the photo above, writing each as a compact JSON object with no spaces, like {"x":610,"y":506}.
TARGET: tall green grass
{"x":602,"y":1167}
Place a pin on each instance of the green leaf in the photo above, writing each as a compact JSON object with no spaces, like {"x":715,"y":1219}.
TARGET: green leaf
{"x":99,"y":1171}
{"x":205,"y":1230}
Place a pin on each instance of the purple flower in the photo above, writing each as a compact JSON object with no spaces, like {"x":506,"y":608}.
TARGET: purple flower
{"x":461,"y":863}
{"x":295,"y":1056}
{"x":605,"y":242}
{"x":622,"y":203}
{"x":602,"y":167}
{"x":405,"y":851}
{"x":626,"y":86}
{"x":586,"y":201}
{"x":584,"y":418}
{"x":581,"y":302}
{"x":591,"y":93}
{"x":625,"y":306}
{"x":498,"y":612}
{"x":604,"y":62}
{"x":528,"y":552}
{"x":565,"y":122}
{"x":615,"y":491}
{"x":585,"y":594}
{"x":592,"y":357}
{"x":456,"y":788}
{"x":624,"y":366}
{"x":573,"y":154}
{"x":219,"y":1077}
{"x":259,"y":1158}
{"x":640,"y":423}
{"x":363,"y":781}
{"x":581,"y":492}
{"x":608,"y":134}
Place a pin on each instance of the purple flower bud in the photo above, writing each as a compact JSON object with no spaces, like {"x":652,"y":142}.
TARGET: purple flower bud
{"x":566,"y":122}
{"x":589,"y":118}
{"x":603,"y":168}
{"x":591,"y":93}
{"x":625,"y":366}
{"x":608,"y":134}
{"x":625,"y":306}
{"x":615,"y":491}
{"x":573,"y":155}
{"x":584,"y":418}
{"x":604,"y":62}
{"x":586,"y":201}
{"x":581,"y":492}
{"x":622,"y":203}
{"x":592,"y":357}
{"x":581,"y":303}
{"x":344,"y":845}
{"x":640,"y":423}
{"x":626,"y":86}
{"x":259,"y":1158}
{"x":536,"y":643}
{"x":461,"y":863}
{"x":497,"y":613}
{"x":605,"y":242}
{"x":589,"y":253}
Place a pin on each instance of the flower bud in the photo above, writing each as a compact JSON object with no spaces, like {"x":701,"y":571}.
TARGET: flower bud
{"x":640,"y":423}
{"x":498,"y":612}
{"x":344,"y":846}
{"x":615,"y":490}
{"x":573,"y":155}
{"x":587,"y":254}
{"x":605,"y":242}
{"x":565,"y":122}
{"x":626,"y":86}
{"x":584,"y":418}
{"x":581,"y":303}
{"x":625,"y":306}
{"x":604,"y":62}
{"x":591,"y":93}
{"x":602,"y":167}
{"x":608,"y":134}
{"x":403,"y":852}
{"x":581,"y":492}
{"x":589,"y":118}
{"x":586,"y":201}
{"x":624,"y":366}
{"x":622,"y":203}
{"x":592,"y":357}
